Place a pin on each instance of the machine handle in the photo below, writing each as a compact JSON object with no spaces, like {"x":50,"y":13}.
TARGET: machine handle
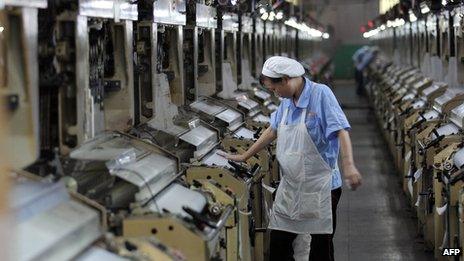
{"x":396,"y":101}
{"x":406,"y":111}
{"x":434,"y":142}
{"x":239,"y":168}
{"x":421,"y":114}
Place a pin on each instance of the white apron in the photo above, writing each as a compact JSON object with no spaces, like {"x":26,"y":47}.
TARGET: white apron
{"x":303,"y":202}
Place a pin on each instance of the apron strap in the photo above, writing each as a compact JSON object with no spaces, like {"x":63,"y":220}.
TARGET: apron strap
{"x":303,"y":116}
{"x":284,"y":117}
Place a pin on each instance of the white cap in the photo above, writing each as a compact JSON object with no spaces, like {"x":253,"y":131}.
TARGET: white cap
{"x":279,"y":66}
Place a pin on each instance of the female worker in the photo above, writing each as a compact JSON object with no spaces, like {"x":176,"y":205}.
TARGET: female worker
{"x":310,"y":127}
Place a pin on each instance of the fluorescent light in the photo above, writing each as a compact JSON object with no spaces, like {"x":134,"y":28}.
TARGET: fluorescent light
{"x":316,"y":33}
{"x":443,"y":2}
{"x":233,"y":2}
{"x":325,"y":36}
{"x":401,"y":22}
{"x":271,"y":18}
{"x":265,"y":16}
{"x":383,"y":27}
{"x":371,"y":33}
{"x":262,"y":10}
{"x":304,"y":28}
{"x":425,"y":9}
{"x":279,"y":15}
{"x":2,"y":29}
{"x":395,"y":23}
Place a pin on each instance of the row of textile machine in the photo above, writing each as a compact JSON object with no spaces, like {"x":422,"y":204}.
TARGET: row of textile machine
{"x":115,"y":112}
{"x":418,"y":101}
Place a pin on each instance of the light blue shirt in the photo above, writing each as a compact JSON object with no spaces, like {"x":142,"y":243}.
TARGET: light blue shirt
{"x":324,"y":119}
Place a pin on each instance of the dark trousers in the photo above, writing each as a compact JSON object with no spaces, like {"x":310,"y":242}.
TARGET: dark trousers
{"x":359,"y":77}
{"x":322,"y":248}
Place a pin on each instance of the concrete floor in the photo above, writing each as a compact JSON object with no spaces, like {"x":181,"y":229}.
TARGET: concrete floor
{"x":374,"y":222}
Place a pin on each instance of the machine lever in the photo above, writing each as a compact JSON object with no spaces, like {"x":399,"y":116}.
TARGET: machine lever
{"x":459,"y":175}
{"x":431,"y":144}
{"x":254,"y":172}
{"x":435,"y":141}
{"x":199,"y":217}
{"x":417,"y":124}
{"x":434,"y":131}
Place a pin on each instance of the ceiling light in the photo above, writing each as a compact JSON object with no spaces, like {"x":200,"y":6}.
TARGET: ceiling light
{"x":412,"y":17}
{"x":371,"y":33}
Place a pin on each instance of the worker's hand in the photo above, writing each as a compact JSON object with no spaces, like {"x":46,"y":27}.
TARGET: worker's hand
{"x":352,"y":177}
{"x":236,"y":158}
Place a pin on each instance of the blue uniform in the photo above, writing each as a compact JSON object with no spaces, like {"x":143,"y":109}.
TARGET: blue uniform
{"x":325,"y":118}
{"x":363,"y":57}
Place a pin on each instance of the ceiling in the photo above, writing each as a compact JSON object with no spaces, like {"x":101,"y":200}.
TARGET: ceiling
{"x":316,"y":7}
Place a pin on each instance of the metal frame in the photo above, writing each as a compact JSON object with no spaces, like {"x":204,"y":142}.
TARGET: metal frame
{"x":22,"y":81}
{"x":206,"y":21}
{"x":230,"y":27}
{"x":258,"y":47}
{"x":246,"y":51}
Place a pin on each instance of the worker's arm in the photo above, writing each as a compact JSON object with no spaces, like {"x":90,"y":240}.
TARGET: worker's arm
{"x":267,"y":137}
{"x":350,"y":172}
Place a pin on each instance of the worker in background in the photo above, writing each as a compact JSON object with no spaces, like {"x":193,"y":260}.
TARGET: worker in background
{"x":361,"y":59}
{"x":310,"y":127}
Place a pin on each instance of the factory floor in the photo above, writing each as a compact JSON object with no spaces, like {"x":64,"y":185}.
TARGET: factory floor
{"x":375,"y":222}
